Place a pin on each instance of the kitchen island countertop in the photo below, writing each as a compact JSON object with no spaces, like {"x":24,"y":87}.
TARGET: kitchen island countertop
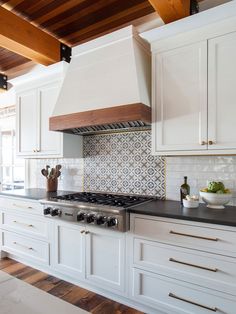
{"x":173,"y":209}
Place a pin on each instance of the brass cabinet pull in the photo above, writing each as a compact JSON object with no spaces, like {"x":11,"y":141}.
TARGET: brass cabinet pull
{"x":213,"y":309}
{"x":23,"y":224}
{"x":82,"y":231}
{"x":203,"y":143}
{"x":193,"y":236}
{"x":23,"y":246}
{"x":21,"y":206}
{"x":210,"y":142}
{"x":87,"y":232}
{"x":193,"y":265}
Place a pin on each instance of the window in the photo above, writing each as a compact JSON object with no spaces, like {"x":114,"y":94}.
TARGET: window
{"x":12,"y":169}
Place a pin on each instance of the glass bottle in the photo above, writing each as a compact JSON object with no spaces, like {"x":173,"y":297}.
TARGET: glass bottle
{"x":184,"y":190}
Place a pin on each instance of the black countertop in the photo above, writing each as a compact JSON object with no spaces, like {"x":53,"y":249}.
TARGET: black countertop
{"x":173,"y":209}
{"x":168,"y":209}
{"x":33,"y":194}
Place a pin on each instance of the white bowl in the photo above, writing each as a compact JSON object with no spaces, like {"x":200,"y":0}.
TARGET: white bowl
{"x":190,"y":204}
{"x":214,"y":200}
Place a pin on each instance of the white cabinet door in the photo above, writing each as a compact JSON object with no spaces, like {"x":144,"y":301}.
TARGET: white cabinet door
{"x":69,"y":256}
{"x":105,"y":258}
{"x":50,"y":142}
{"x":27,"y":120}
{"x":222,"y":92}
{"x":180,"y":99}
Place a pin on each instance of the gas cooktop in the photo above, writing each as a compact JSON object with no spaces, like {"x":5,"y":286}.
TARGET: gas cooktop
{"x":101,"y":199}
{"x":98,"y":209}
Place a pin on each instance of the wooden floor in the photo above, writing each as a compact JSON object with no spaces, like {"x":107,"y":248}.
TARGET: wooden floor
{"x":66,"y":291}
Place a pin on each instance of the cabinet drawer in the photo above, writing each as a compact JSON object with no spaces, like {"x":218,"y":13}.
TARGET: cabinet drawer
{"x":212,"y":271}
{"x":178,"y":297}
{"x":196,"y":237}
{"x":26,"y":247}
{"x":24,"y":223}
{"x":21,"y":205}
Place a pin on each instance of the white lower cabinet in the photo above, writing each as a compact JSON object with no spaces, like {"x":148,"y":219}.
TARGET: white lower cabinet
{"x":92,"y":254}
{"x":25,"y":247}
{"x":174,"y":296}
{"x":105,"y":258}
{"x":182,"y":267}
{"x":68,"y":247}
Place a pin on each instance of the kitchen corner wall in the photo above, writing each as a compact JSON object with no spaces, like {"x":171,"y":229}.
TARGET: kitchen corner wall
{"x":117,"y":163}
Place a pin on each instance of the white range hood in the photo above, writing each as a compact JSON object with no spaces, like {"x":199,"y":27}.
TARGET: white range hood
{"x":107,"y":86}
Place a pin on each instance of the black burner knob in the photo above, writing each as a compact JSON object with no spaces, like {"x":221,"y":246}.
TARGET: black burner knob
{"x":80,"y":216}
{"x":55,"y":212}
{"x":111,"y":222}
{"x":90,"y":218}
{"x":47,"y":211}
{"x":100,"y":220}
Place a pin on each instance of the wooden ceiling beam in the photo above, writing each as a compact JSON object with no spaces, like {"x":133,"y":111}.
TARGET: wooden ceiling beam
{"x":171,"y":10}
{"x":25,"y":39}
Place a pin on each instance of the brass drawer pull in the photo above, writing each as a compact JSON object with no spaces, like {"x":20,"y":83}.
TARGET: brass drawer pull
{"x":193,"y":236}
{"x":213,"y":309}
{"x":21,"y":206}
{"x":23,"y":246}
{"x":22,"y":224}
{"x":193,"y":265}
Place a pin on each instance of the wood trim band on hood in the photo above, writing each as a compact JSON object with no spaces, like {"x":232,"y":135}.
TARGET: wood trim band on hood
{"x":118,"y":114}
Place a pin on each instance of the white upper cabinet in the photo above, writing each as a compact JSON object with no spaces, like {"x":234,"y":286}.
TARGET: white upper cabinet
{"x":35,"y":105}
{"x":50,"y":142}
{"x":27,"y":106}
{"x":193,"y":84}
{"x":180,"y":98}
{"x":222,"y":92}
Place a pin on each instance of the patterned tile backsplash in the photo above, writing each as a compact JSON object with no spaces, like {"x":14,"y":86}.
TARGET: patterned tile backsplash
{"x":199,"y":170}
{"x":122,"y":163}
{"x":118,"y":163}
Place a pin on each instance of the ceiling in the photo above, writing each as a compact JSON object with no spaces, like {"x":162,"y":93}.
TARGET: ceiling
{"x":72,"y":21}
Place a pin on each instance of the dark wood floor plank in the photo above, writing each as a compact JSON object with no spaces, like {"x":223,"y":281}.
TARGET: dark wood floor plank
{"x":5,"y":262}
{"x":85,"y":299}
{"x":61,"y":289}
{"x":37,"y":277}
{"x":48,"y":283}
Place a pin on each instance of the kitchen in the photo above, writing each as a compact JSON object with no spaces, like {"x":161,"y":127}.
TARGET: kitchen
{"x":94,"y":149}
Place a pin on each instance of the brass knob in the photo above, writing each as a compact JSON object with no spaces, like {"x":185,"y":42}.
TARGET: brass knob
{"x":210,"y":142}
{"x":86,"y":232}
{"x":203,"y":143}
{"x":34,"y":150}
{"x":82,"y":231}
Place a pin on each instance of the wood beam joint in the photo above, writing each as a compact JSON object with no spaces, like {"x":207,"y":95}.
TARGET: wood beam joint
{"x":25,"y":39}
{"x":171,"y":10}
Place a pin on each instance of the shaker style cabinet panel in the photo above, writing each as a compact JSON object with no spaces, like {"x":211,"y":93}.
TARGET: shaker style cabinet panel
{"x":222,"y":92}
{"x":27,"y":114}
{"x":35,"y":140}
{"x":50,"y":142}
{"x":69,"y":250}
{"x":180,"y":98}
{"x":105,"y":258}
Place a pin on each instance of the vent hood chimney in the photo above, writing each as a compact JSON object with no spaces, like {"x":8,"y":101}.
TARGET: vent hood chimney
{"x":106,"y":87}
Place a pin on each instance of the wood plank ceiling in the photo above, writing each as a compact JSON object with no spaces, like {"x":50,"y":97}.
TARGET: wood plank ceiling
{"x":72,"y":21}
